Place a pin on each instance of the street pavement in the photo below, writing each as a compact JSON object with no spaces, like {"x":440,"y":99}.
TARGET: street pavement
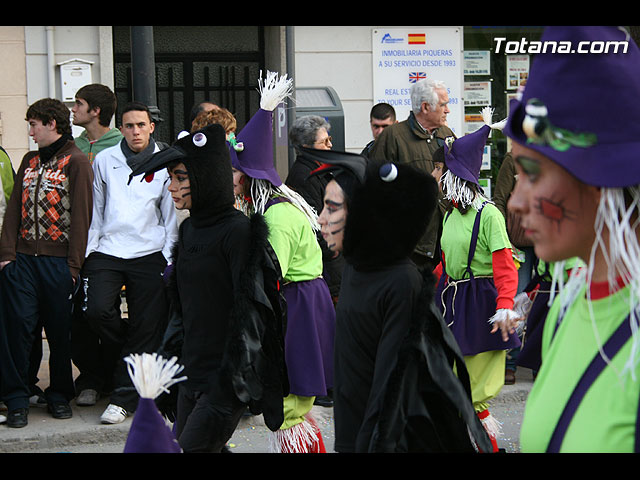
{"x":83,"y":433}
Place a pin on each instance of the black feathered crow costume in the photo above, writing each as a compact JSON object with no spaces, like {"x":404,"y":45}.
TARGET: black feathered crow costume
{"x":227,"y":319}
{"x":401,"y":384}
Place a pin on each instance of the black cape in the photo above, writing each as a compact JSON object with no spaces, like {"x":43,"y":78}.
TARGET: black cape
{"x":391,"y":341}
{"x":253,"y":362}
{"x":426,"y":405}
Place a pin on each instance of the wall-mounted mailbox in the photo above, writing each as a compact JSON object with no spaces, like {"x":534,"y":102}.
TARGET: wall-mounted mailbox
{"x":74,"y":74}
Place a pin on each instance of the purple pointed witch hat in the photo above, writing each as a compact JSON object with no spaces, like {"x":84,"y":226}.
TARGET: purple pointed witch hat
{"x":252,"y":151}
{"x":152,"y":375}
{"x":464,"y":156}
{"x":582,"y":110}
{"x":149,"y":433}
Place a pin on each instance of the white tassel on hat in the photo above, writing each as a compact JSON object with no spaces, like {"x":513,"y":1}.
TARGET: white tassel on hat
{"x":150,"y":432}
{"x":273,"y":90}
{"x":487,"y":115}
{"x":152,"y":374}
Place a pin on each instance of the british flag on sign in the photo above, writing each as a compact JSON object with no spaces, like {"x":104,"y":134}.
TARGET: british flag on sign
{"x":416,"y":76}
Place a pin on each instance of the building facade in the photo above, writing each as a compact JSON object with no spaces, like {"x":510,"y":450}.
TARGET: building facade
{"x":223,"y":63}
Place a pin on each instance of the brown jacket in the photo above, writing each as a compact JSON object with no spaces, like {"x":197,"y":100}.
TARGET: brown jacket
{"x":49,"y":211}
{"x":406,"y":142}
{"x":505,"y":183}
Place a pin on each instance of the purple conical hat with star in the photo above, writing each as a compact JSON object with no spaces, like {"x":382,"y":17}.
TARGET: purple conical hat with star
{"x":582,"y":110}
{"x":252,"y":151}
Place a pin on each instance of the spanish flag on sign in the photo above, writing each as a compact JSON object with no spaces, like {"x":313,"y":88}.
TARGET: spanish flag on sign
{"x":417,"y":38}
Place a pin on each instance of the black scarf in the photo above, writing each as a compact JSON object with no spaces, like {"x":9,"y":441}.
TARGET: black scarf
{"x":132,"y":157}
{"x":46,"y":153}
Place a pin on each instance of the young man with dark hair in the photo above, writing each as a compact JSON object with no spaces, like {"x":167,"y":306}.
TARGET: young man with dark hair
{"x":42,"y":249}
{"x":381,"y":116}
{"x":93,"y":110}
{"x":132,"y":233}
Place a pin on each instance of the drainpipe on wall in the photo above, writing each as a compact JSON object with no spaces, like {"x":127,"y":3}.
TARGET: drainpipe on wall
{"x":291,"y":71}
{"x":51,"y":61}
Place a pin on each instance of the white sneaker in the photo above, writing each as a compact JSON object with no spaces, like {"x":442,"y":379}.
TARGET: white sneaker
{"x":3,"y":419}
{"x":113,"y":414}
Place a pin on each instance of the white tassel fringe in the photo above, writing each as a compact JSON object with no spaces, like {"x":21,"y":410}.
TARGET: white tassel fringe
{"x":492,"y":426}
{"x":487,"y":114}
{"x":273,"y":90}
{"x":297,"y":439}
{"x":456,"y":190}
{"x":262,"y":190}
{"x":505,"y":315}
{"x":151,"y":374}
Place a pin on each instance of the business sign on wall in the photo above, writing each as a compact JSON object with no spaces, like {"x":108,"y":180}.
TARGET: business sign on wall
{"x":404,"y":56}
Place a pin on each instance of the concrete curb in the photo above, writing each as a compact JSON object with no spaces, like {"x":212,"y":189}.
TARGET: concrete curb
{"x":46,"y":434}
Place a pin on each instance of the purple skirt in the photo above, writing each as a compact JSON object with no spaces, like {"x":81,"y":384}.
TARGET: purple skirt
{"x":467,"y":307}
{"x":530,"y":355}
{"x":308,"y":344}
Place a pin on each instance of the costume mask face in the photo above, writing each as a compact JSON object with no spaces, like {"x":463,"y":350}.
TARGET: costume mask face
{"x":238,"y":182}
{"x":180,"y":186}
{"x":558,"y":211}
{"x":333,"y":217}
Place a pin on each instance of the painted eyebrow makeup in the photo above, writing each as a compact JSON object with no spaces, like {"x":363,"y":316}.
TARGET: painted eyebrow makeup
{"x":529,"y":166}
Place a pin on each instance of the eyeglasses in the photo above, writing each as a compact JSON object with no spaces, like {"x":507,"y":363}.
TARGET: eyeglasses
{"x":326,"y":141}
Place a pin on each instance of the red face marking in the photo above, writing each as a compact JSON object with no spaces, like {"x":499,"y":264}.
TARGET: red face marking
{"x":554,"y":211}
{"x":551,"y":210}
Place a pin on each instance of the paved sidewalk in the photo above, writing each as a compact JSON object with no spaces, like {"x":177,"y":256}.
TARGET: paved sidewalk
{"x":84,"y":432}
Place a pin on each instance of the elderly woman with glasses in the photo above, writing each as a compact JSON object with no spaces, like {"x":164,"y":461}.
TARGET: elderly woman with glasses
{"x":312,"y":132}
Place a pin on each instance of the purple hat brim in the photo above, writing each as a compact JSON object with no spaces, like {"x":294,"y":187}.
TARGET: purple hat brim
{"x":586,"y":164}
{"x":270,"y":174}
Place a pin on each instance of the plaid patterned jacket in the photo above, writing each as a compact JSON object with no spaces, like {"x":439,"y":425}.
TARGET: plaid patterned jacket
{"x":45,"y":200}
{"x":49,"y":212}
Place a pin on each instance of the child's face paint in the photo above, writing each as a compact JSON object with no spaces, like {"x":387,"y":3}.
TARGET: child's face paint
{"x":438,"y":169}
{"x":238,"y":182}
{"x":180,"y":187}
{"x":333,"y":217}
{"x":558,"y":211}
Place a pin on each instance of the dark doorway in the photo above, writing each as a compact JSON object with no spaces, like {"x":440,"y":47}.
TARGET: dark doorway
{"x":220,"y":64}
